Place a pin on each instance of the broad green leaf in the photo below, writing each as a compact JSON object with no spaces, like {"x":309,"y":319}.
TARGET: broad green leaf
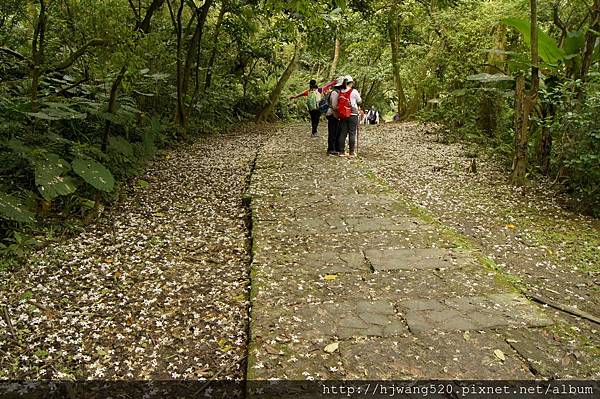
{"x":12,"y":208}
{"x":574,"y":43}
{"x":49,"y":169}
{"x":94,"y":173}
{"x":43,"y":115}
{"x":548,"y":49}
{"x":54,"y":111}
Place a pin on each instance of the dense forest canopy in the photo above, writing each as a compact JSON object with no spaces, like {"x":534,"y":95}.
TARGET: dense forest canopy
{"x":90,"y":89}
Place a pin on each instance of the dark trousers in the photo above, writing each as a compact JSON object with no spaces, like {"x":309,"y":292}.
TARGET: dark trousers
{"x":348,"y":129}
{"x":315,"y":116}
{"x":332,"y":133}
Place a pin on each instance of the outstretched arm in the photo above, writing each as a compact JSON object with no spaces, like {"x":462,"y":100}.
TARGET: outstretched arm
{"x":303,"y":94}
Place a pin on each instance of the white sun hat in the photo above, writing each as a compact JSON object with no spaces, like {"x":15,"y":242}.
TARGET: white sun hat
{"x":348,"y":78}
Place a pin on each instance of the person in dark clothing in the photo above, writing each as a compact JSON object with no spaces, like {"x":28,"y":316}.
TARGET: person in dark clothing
{"x":312,"y":103}
{"x":347,"y":106}
{"x":332,"y":119}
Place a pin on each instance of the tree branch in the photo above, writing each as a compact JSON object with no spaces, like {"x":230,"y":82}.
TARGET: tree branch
{"x":145,"y":24}
{"x":69,"y":61}
{"x":559,"y":23}
{"x":12,"y":52}
{"x":135,"y":12}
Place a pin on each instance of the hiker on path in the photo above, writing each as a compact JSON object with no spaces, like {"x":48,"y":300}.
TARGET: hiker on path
{"x":332,"y":118}
{"x":346,"y":105}
{"x":322,"y":90}
{"x":313,"y":103}
{"x":362,"y":117}
{"x":373,"y":116}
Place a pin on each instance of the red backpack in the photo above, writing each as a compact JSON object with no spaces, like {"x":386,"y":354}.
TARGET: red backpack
{"x":344,"y":106}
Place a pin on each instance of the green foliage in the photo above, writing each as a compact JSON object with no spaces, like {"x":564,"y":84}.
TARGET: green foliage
{"x":49,"y":170}
{"x":12,"y":208}
{"x":94,"y":173}
{"x":547,"y":47}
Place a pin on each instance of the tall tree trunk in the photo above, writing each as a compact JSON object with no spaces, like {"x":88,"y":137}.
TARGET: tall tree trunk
{"x":144,"y":26}
{"x":112,"y":106}
{"x":336,"y":55}
{"x":192,"y":57}
{"x":545,"y":144}
{"x":521,"y":139}
{"x":180,"y":109}
{"x":213,"y":52}
{"x":590,"y":40}
{"x":548,"y":111}
{"x":489,"y":107}
{"x":37,"y":54}
{"x":267,"y":111}
{"x":524,"y":106}
{"x":415,"y":103}
{"x":394,"y":36}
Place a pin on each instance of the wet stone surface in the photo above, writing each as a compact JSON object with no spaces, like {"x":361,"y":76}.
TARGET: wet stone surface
{"x":341,"y":259}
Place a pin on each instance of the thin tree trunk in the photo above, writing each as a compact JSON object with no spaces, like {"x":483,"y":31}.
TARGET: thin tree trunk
{"x":112,"y":106}
{"x":267,"y":111}
{"x":180,"y":111}
{"x":415,"y":103}
{"x":522,"y":111}
{"x":590,"y":40}
{"x":394,"y":37}
{"x":37,"y":54}
{"x":545,"y":148}
{"x":491,"y":101}
{"x":524,"y":106}
{"x":213,"y":53}
{"x":336,"y":55}
{"x":144,"y":26}
{"x":192,"y":50}
{"x":246,"y":78}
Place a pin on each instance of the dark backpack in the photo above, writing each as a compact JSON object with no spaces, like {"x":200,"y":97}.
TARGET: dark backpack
{"x":324,"y":103}
{"x":372,"y":117}
{"x":344,"y":105}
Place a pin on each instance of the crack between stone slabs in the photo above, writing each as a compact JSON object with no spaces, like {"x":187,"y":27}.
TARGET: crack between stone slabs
{"x":369,"y":263}
{"x":248,"y":223}
{"x":524,"y":359}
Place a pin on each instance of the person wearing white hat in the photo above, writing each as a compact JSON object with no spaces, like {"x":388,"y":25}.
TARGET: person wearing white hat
{"x":347,"y":108}
{"x":332,"y":118}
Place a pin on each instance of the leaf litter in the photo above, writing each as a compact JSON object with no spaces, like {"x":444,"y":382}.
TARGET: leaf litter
{"x":529,"y":233}
{"x":157,"y":288}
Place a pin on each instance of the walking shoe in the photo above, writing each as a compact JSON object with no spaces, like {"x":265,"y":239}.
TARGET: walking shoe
{"x":352,"y":155}
{"x":314,"y":136}
{"x":332,"y":153}
{"x":342,"y":154}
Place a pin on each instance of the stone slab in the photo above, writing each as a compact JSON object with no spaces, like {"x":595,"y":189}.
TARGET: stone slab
{"x":431,"y":357}
{"x":551,"y":356}
{"x":472,"y":313}
{"x":419,"y":258}
{"x":338,"y":320}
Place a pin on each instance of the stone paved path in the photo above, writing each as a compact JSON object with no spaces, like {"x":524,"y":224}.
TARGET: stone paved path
{"x":340,"y":258}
